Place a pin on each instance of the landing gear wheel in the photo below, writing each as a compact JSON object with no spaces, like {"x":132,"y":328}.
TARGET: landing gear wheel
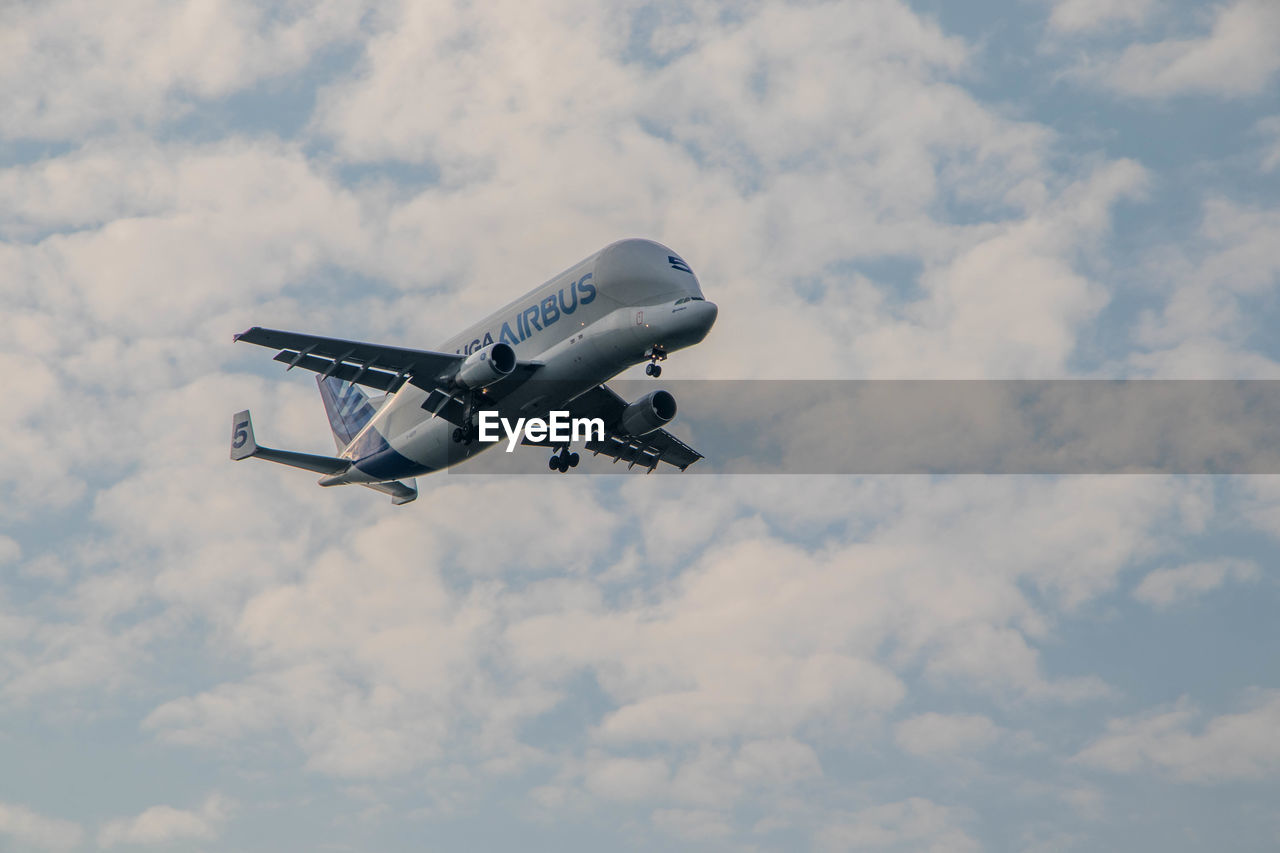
{"x":457,"y":435}
{"x":655,"y":354}
{"x":562,"y":461}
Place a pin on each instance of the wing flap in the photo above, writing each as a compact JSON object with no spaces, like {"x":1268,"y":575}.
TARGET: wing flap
{"x":646,"y":450}
{"x":382,"y":367}
{"x":373,"y":377}
{"x":375,"y":365}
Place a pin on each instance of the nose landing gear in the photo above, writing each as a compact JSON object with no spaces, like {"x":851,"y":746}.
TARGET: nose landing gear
{"x":562,"y":460}
{"x":655,"y":354}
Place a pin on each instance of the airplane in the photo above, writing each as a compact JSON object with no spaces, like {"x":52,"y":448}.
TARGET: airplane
{"x":550,"y":350}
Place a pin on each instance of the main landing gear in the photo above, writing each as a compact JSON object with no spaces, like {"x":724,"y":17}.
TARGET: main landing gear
{"x":655,"y":354}
{"x":562,"y":460}
{"x":469,"y":431}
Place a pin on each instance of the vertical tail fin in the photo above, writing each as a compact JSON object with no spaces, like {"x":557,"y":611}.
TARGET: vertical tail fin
{"x":242,"y":442}
{"x":347,"y":406}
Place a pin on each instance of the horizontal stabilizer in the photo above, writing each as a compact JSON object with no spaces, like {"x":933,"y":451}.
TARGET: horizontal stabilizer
{"x":401,"y":493}
{"x":243,"y":446}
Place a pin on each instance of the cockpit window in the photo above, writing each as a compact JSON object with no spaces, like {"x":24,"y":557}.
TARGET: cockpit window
{"x":682,"y":300}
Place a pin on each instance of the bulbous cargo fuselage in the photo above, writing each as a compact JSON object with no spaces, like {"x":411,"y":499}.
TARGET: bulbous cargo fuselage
{"x":615,"y":309}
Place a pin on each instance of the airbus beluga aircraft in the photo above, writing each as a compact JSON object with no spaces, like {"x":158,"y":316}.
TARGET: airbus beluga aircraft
{"x":550,"y":350}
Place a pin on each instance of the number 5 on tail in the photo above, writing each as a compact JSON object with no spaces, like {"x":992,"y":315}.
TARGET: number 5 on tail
{"x":242,"y":443}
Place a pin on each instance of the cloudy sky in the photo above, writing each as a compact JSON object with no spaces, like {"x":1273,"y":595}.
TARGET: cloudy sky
{"x":196,"y":655}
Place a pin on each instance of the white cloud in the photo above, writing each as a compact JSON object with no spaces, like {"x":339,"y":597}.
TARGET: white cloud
{"x":1203,"y":327}
{"x":626,"y":778}
{"x":1010,"y":303}
{"x":993,"y":658}
{"x":33,"y":831}
{"x":776,"y":762}
{"x":145,"y":290}
{"x":233,"y":222}
{"x":1261,"y":505}
{"x":1089,"y":803}
{"x":692,"y":824}
{"x":1164,"y":588}
{"x":912,"y":824}
{"x":82,"y":642}
{"x":759,"y":637}
{"x":685,"y":791}
{"x":714,"y":779}
{"x":34,"y":471}
{"x":376,"y":672}
{"x":65,"y":68}
{"x":1073,"y":16}
{"x":388,"y":671}
{"x":10,"y":550}
{"x":708,"y":662}
{"x":165,"y":825}
{"x":1237,"y":58}
{"x":1228,"y":747}
{"x":742,"y":152}
{"x":1269,"y":128}
{"x":1241,"y":259}
{"x":932,"y":733}
{"x":734,"y":634}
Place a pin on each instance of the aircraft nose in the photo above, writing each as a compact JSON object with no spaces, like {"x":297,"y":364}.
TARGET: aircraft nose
{"x":690,"y":323}
{"x":702,"y":315}
{"x":710,"y":311}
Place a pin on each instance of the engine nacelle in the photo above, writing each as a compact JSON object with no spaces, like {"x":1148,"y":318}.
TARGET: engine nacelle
{"x":651,"y":411}
{"x":486,"y":366}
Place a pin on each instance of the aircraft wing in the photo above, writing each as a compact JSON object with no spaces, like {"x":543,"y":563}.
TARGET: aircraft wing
{"x":382,"y":367}
{"x":377,"y":366}
{"x":645,"y":450}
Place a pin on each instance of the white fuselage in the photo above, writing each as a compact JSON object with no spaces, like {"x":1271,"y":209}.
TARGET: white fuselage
{"x":584,"y":326}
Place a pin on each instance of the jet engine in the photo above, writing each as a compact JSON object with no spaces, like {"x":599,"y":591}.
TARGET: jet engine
{"x":486,"y":366}
{"x":651,"y":411}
